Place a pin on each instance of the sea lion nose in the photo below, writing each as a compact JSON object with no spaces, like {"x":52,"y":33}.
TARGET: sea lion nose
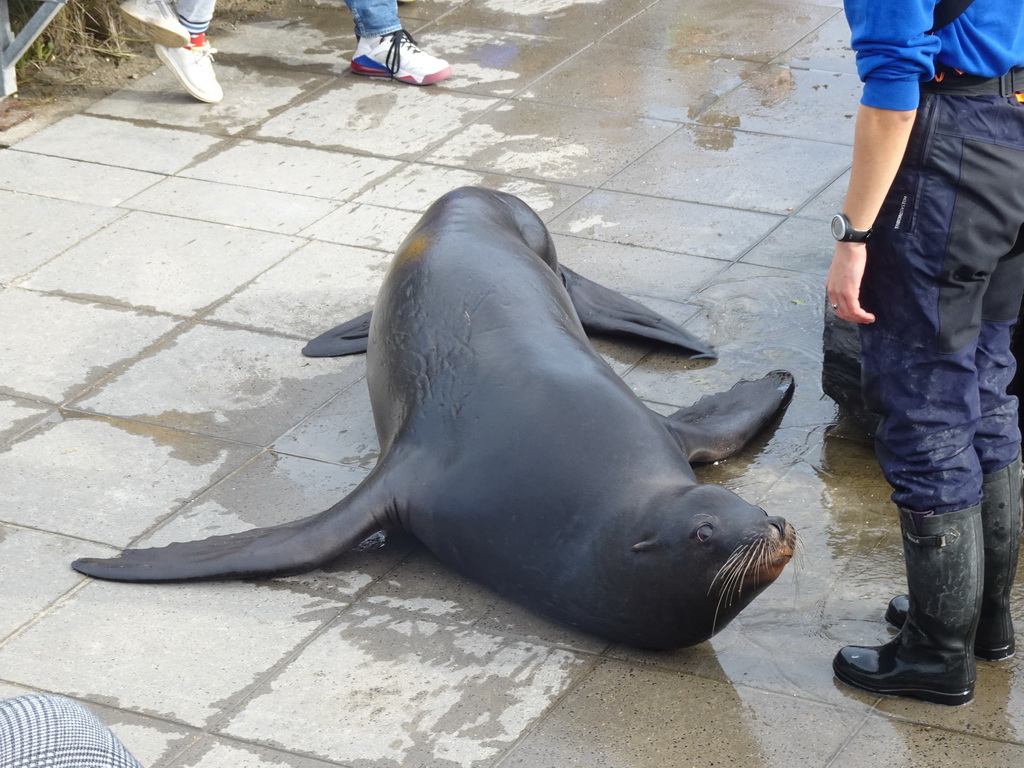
{"x":779,"y":524}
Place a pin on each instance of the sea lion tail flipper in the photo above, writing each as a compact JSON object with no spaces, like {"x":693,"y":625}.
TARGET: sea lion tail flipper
{"x":719,"y":425}
{"x":603,"y":310}
{"x":345,"y":339}
{"x":281,"y":550}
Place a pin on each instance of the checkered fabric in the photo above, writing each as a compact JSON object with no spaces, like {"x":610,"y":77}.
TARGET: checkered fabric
{"x":39,"y":731}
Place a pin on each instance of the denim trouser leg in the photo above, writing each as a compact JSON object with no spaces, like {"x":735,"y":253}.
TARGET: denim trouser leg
{"x":195,"y":15}
{"x":374,"y":18}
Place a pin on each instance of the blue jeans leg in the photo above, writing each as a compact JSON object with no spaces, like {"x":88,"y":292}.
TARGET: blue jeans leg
{"x":195,"y":15}
{"x":374,"y":18}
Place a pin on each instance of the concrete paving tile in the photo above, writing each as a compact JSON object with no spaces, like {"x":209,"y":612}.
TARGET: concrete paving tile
{"x":758,"y":320}
{"x":413,"y":692}
{"x":115,"y":142}
{"x":997,"y":711}
{"x":798,"y":244}
{"x":18,"y":416}
{"x":543,"y":141}
{"x":703,"y":164}
{"x":251,"y":96}
{"x":150,"y":740}
{"x":624,"y":714}
{"x":575,"y":20}
{"x":219,"y":203}
{"x":35,"y":572}
{"x":668,"y":225}
{"x":665,"y":275}
{"x":885,"y":742}
{"x":179,"y":652}
{"x":784,"y":101}
{"x":278,"y":489}
{"x":120,"y":477}
{"x":162,"y":262}
{"x":757,"y":30}
{"x":357,"y":105}
{"x":663,"y":84}
{"x":342,"y":431}
{"x":77,"y":345}
{"x":294,"y":170}
{"x":70,"y":179}
{"x":507,"y":618}
{"x":365,"y":226}
{"x":827,"y":48}
{"x":417,"y":186}
{"x":221,"y":753}
{"x":10,"y":691}
{"x":38,"y":228}
{"x":228,"y":383}
{"x":425,"y":587}
{"x":495,"y":62}
{"x":316,"y":288}
{"x":319,"y":39}
{"x":829,"y":201}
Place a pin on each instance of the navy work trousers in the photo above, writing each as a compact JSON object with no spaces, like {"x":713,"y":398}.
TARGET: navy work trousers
{"x":944,"y":279}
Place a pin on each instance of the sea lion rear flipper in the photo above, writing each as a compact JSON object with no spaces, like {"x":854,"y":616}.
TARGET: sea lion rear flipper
{"x":345,"y":339}
{"x":603,"y":310}
{"x":719,"y":425}
{"x":281,"y":550}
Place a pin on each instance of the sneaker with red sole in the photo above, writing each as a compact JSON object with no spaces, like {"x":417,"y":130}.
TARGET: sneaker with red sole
{"x":397,"y":57}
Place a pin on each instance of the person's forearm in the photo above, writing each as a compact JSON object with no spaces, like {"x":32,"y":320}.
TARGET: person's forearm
{"x":880,"y":139}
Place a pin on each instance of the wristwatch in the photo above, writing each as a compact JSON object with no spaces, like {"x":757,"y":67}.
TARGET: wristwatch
{"x":844,"y":232}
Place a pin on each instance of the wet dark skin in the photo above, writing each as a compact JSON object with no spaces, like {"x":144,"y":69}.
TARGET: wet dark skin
{"x":514,"y":452}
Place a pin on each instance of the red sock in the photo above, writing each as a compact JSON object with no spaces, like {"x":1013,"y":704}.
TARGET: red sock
{"x":198,"y":40}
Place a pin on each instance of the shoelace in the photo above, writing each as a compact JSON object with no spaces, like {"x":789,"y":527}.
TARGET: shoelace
{"x":203,"y":52}
{"x":393,"y":61}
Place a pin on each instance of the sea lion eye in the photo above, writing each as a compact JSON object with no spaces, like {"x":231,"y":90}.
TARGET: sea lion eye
{"x":703,"y":532}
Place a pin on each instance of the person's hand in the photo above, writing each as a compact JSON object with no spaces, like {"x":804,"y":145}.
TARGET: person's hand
{"x":843,"y":282}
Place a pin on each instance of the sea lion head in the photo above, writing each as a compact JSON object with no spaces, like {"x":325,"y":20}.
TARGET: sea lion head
{"x":700,"y":556}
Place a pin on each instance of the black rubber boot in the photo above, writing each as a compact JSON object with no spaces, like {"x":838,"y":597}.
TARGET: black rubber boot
{"x":1001,"y":514}
{"x":931,"y":658}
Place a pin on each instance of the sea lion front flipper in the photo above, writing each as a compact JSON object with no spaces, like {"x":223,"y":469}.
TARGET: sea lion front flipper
{"x":280,"y":550}
{"x":345,"y":339}
{"x":719,"y":425}
{"x":603,"y":310}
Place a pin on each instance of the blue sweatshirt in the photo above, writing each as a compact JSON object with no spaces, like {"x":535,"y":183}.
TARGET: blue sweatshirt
{"x":895,"y":53}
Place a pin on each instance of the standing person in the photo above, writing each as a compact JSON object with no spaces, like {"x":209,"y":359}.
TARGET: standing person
{"x":178,"y":32}
{"x":930,"y":262}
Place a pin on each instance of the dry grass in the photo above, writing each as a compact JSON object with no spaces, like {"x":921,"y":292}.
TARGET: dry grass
{"x":87,"y":45}
{"x":82,"y":30}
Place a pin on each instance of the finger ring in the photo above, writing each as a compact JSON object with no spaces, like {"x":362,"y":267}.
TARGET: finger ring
{"x":835,"y":306}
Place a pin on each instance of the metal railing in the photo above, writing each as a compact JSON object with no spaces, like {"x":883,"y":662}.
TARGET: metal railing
{"x":13,"y":47}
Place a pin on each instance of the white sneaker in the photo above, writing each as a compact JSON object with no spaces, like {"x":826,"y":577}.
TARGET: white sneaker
{"x":155,"y":20}
{"x":193,"y":66}
{"x":396,"y":56}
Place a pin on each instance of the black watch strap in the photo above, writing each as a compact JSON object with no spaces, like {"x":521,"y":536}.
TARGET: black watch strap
{"x":844,"y":232}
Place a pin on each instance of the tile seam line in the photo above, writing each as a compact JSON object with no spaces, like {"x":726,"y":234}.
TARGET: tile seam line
{"x":513,"y":98}
{"x":509,"y":750}
{"x":247,"y":694}
{"x":14,"y":281}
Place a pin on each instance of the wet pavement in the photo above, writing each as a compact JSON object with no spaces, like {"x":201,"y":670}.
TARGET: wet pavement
{"x":163,"y":261}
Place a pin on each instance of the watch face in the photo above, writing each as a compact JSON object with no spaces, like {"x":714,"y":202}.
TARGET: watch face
{"x":838,"y":226}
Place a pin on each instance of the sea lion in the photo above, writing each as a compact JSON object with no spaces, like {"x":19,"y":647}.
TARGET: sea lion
{"x":514,"y":452}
